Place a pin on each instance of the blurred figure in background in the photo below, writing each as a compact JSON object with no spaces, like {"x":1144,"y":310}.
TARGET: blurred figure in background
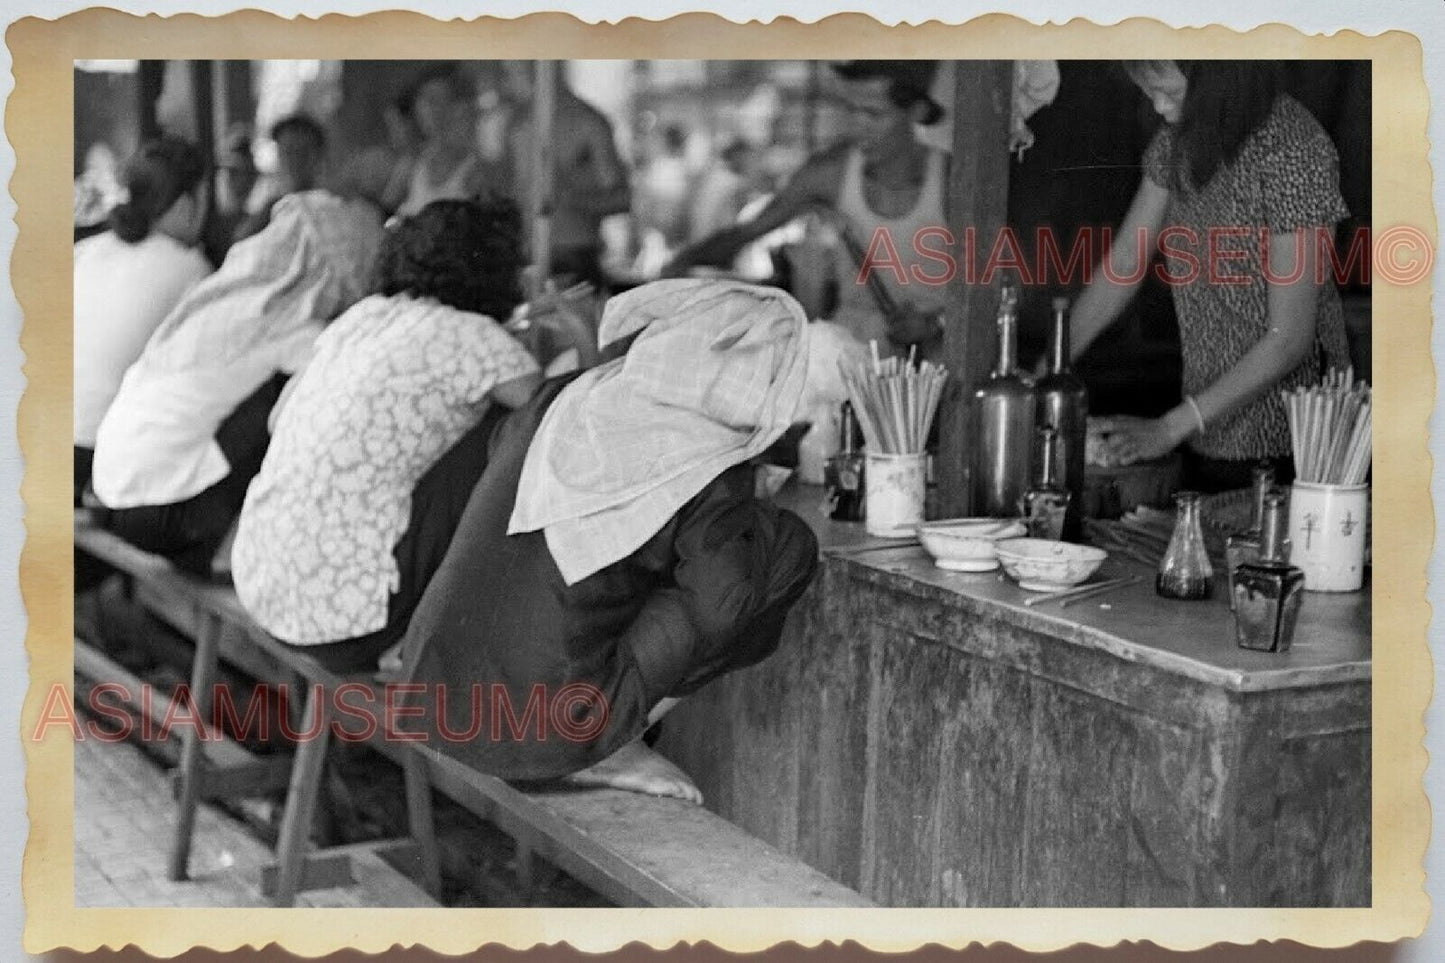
{"x":661,"y":196}
{"x":880,"y":179}
{"x":589,"y":180}
{"x":382,"y":172}
{"x":720,"y":193}
{"x":448,"y":166}
{"x":300,"y":166}
{"x":127,"y":279}
{"x":236,"y":177}
{"x":187,"y":429}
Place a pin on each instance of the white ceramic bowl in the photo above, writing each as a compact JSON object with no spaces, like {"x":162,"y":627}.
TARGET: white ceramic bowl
{"x":1041,"y":565}
{"x":967,"y":544}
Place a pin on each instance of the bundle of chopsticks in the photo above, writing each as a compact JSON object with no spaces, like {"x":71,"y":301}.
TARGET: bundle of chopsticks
{"x":895,"y":400}
{"x":1329,"y":428}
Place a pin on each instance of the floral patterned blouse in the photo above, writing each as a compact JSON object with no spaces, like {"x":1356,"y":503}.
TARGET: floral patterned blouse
{"x":394,"y":383}
{"x":1285,"y":178}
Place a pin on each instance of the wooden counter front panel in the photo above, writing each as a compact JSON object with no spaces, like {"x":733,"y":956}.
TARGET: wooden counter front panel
{"x":928,"y":755}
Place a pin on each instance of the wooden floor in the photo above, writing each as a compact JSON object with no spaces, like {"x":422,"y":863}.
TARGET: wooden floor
{"x":123,"y":815}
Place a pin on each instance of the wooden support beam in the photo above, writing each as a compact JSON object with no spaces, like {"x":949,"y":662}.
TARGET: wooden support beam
{"x":539,"y":201}
{"x":978,"y":194}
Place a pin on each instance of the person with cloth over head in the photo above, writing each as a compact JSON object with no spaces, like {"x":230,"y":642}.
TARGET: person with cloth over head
{"x":613,"y":555}
{"x":188,"y":428}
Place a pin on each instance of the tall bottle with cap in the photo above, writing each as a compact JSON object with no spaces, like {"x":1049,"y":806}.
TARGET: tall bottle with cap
{"x":1003,"y":423}
{"x":1063,"y":405}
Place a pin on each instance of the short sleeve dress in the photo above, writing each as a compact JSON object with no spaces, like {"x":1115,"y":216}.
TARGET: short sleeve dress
{"x":1285,"y":178}
{"x":395,"y":382}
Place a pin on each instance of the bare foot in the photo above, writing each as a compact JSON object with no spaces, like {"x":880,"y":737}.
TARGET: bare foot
{"x":637,"y":768}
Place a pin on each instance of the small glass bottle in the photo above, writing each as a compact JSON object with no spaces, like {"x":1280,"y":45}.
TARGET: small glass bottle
{"x":1268,"y":592}
{"x":843,"y":473}
{"x":1243,"y":546}
{"x":1045,"y":505}
{"x":1185,"y":572}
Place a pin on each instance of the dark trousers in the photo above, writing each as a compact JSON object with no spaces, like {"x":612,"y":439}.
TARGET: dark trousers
{"x":437,"y":503}
{"x":189,"y":532}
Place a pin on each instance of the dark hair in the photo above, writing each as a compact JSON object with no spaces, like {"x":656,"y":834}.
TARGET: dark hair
{"x":466,"y":254}
{"x":156,"y":177}
{"x":458,"y":85}
{"x":1225,"y":101}
{"x":909,"y":82}
{"x":300,"y":124}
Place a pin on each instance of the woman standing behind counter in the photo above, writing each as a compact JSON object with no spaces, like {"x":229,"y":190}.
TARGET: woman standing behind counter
{"x":1243,"y":180}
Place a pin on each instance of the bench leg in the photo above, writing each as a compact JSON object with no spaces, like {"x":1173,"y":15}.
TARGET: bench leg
{"x":193,"y":750}
{"x":420,"y":824}
{"x":306,"y":772}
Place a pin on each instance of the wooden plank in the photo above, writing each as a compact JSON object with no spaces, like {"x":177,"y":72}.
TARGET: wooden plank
{"x":370,"y":867}
{"x":637,"y":849}
{"x":978,"y":203}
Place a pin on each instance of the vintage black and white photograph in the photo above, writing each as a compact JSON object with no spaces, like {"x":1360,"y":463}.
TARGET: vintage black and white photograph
{"x":747,"y":483}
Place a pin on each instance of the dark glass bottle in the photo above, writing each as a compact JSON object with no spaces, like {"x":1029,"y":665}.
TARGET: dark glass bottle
{"x":1045,"y":505}
{"x":1004,"y":424}
{"x":843,"y":473}
{"x":1243,"y":546}
{"x":1268,"y":592}
{"x":1063,"y":404}
{"x":1185,"y":572}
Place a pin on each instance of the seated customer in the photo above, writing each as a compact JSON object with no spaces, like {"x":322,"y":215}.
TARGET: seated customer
{"x":381,"y":438}
{"x":128,"y":278}
{"x":187,"y":430}
{"x":614,"y":543}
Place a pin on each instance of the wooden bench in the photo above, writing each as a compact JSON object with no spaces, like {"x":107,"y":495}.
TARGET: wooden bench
{"x":632,"y":849}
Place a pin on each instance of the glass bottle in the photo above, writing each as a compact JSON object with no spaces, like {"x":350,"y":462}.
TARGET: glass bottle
{"x":1268,"y":592}
{"x":1045,"y":505}
{"x":1004,"y":424}
{"x":1063,"y":403}
{"x":1243,"y":546}
{"x":1185,"y":572}
{"x":843,"y":473}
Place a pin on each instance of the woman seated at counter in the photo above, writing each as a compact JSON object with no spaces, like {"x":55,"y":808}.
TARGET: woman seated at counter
{"x":127,"y":279}
{"x":379,"y":441}
{"x":187,"y":430}
{"x":614,"y":546}
{"x":1236,"y":154}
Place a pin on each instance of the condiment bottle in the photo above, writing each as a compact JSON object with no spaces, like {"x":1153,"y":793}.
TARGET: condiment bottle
{"x":1004,"y":424}
{"x":1045,"y":505}
{"x":1063,"y":403}
{"x":843,"y":474}
{"x":1185,"y":572}
{"x":1268,"y":592}
{"x":1243,"y":546}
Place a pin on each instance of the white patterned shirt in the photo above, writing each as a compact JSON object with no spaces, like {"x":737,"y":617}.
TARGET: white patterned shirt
{"x":394,"y":383}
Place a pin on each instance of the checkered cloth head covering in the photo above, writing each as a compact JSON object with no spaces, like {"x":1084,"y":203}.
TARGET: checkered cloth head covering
{"x":312,"y":261}
{"x":713,"y":378}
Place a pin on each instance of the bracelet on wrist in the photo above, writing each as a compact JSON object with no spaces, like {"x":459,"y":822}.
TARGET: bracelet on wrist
{"x":1198,"y":415}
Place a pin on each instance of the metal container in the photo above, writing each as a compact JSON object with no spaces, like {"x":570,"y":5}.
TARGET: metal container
{"x":1063,"y":404}
{"x":1004,"y":425}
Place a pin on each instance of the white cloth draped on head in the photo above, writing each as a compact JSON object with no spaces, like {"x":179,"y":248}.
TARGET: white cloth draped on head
{"x":713,"y":378}
{"x":311,"y":262}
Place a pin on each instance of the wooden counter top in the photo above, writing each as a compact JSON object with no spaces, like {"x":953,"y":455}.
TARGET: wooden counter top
{"x":1193,"y":639}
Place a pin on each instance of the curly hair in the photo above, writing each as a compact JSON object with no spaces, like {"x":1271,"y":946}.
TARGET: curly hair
{"x":465,"y":254}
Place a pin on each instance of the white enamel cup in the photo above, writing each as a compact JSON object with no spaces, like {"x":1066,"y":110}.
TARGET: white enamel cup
{"x":1327,"y":530}
{"x":894,"y":488}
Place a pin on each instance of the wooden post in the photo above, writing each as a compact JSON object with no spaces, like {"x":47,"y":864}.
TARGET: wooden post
{"x":539,"y":201}
{"x":978,"y":196}
{"x":149,"y":78}
{"x":203,"y":106}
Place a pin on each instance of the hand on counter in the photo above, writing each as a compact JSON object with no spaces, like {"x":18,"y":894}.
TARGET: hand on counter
{"x":1131,"y":439}
{"x":908,"y":326}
